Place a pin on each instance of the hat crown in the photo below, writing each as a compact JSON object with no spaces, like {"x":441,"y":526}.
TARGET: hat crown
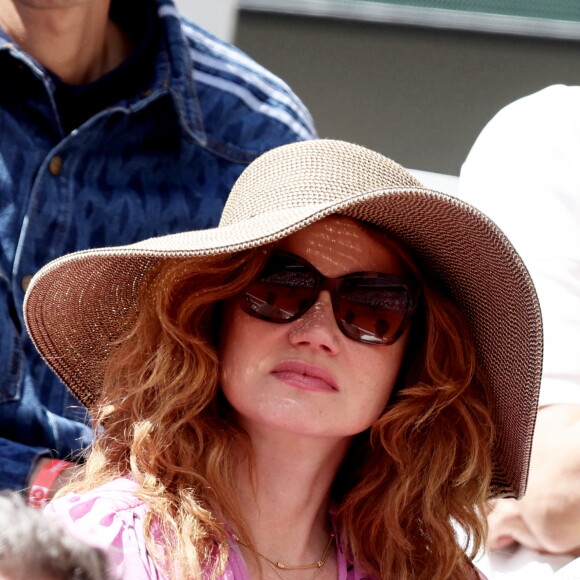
{"x":310,"y":173}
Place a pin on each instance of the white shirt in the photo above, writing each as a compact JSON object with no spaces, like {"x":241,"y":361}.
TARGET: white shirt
{"x":524,"y":173}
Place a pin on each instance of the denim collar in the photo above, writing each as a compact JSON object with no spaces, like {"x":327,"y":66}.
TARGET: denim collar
{"x":175,"y":71}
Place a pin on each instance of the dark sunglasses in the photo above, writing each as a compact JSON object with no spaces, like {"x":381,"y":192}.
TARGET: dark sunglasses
{"x":369,"y":307}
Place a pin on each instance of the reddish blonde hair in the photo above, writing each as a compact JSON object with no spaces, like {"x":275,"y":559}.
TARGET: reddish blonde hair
{"x":424,"y":464}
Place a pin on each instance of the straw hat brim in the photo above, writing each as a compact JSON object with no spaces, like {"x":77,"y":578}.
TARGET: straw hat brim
{"x":77,"y":305}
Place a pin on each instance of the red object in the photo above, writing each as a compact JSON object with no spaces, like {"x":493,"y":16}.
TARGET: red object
{"x":48,"y":474}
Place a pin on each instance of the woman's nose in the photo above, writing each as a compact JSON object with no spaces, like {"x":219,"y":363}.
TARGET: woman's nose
{"x":317,"y":328}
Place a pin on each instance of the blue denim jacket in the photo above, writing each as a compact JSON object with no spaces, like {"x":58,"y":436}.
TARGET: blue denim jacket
{"x":159,"y":162}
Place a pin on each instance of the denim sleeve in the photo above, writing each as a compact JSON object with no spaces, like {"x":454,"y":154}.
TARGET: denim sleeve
{"x":17,"y":463}
{"x":38,"y":418}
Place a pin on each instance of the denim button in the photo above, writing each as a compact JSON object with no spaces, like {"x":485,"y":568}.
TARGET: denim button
{"x":26,"y":282}
{"x":55,"y":165}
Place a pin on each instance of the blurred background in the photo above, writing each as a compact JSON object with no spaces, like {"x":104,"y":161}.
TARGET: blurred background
{"x":414,"y":79}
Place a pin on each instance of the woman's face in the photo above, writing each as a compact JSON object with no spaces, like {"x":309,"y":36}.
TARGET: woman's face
{"x":306,"y":376}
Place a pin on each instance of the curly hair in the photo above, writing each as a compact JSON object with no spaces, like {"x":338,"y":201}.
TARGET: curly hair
{"x":425,"y":465}
{"x":423,"y":468}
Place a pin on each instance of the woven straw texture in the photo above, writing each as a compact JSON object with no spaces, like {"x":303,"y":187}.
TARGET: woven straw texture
{"x":78,"y":304}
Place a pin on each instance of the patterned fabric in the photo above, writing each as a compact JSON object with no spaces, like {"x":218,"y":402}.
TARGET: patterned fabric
{"x":111,"y":518}
{"x":161,"y":161}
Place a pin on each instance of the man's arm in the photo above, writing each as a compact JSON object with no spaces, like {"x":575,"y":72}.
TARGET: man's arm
{"x":547,"y":518}
{"x":22,"y":464}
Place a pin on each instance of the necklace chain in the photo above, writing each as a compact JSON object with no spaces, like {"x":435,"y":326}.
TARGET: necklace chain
{"x":280,"y":566}
{"x":318,"y":569}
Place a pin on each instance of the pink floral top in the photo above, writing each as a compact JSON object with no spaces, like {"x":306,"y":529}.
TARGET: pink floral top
{"x":111,"y":518}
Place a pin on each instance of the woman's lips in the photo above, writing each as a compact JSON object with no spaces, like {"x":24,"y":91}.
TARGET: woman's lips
{"x":305,"y":376}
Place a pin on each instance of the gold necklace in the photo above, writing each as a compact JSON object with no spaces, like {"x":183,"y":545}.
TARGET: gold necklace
{"x":281,"y":566}
{"x":279,"y":575}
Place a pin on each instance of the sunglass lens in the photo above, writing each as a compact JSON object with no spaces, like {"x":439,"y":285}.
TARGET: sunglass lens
{"x":282,"y":292}
{"x":370,"y":312}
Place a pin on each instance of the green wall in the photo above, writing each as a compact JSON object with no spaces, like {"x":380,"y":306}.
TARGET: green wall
{"x":417,"y":94}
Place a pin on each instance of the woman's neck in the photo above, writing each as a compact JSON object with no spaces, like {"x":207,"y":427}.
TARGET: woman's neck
{"x":75,"y":40}
{"x":285,"y":500}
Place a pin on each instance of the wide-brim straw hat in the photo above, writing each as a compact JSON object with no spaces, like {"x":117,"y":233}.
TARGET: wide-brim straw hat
{"x":78,"y":304}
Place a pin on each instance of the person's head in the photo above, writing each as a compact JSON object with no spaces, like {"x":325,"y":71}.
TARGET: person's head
{"x":34,"y":546}
{"x":296,"y":357}
{"x":396,"y":317}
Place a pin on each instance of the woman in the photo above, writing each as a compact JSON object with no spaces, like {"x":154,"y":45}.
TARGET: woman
{"x":325,"y":386}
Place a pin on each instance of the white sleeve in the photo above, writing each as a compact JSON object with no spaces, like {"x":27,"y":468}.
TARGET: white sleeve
{"x":524,"y":173}
{"x":569,"y":572}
